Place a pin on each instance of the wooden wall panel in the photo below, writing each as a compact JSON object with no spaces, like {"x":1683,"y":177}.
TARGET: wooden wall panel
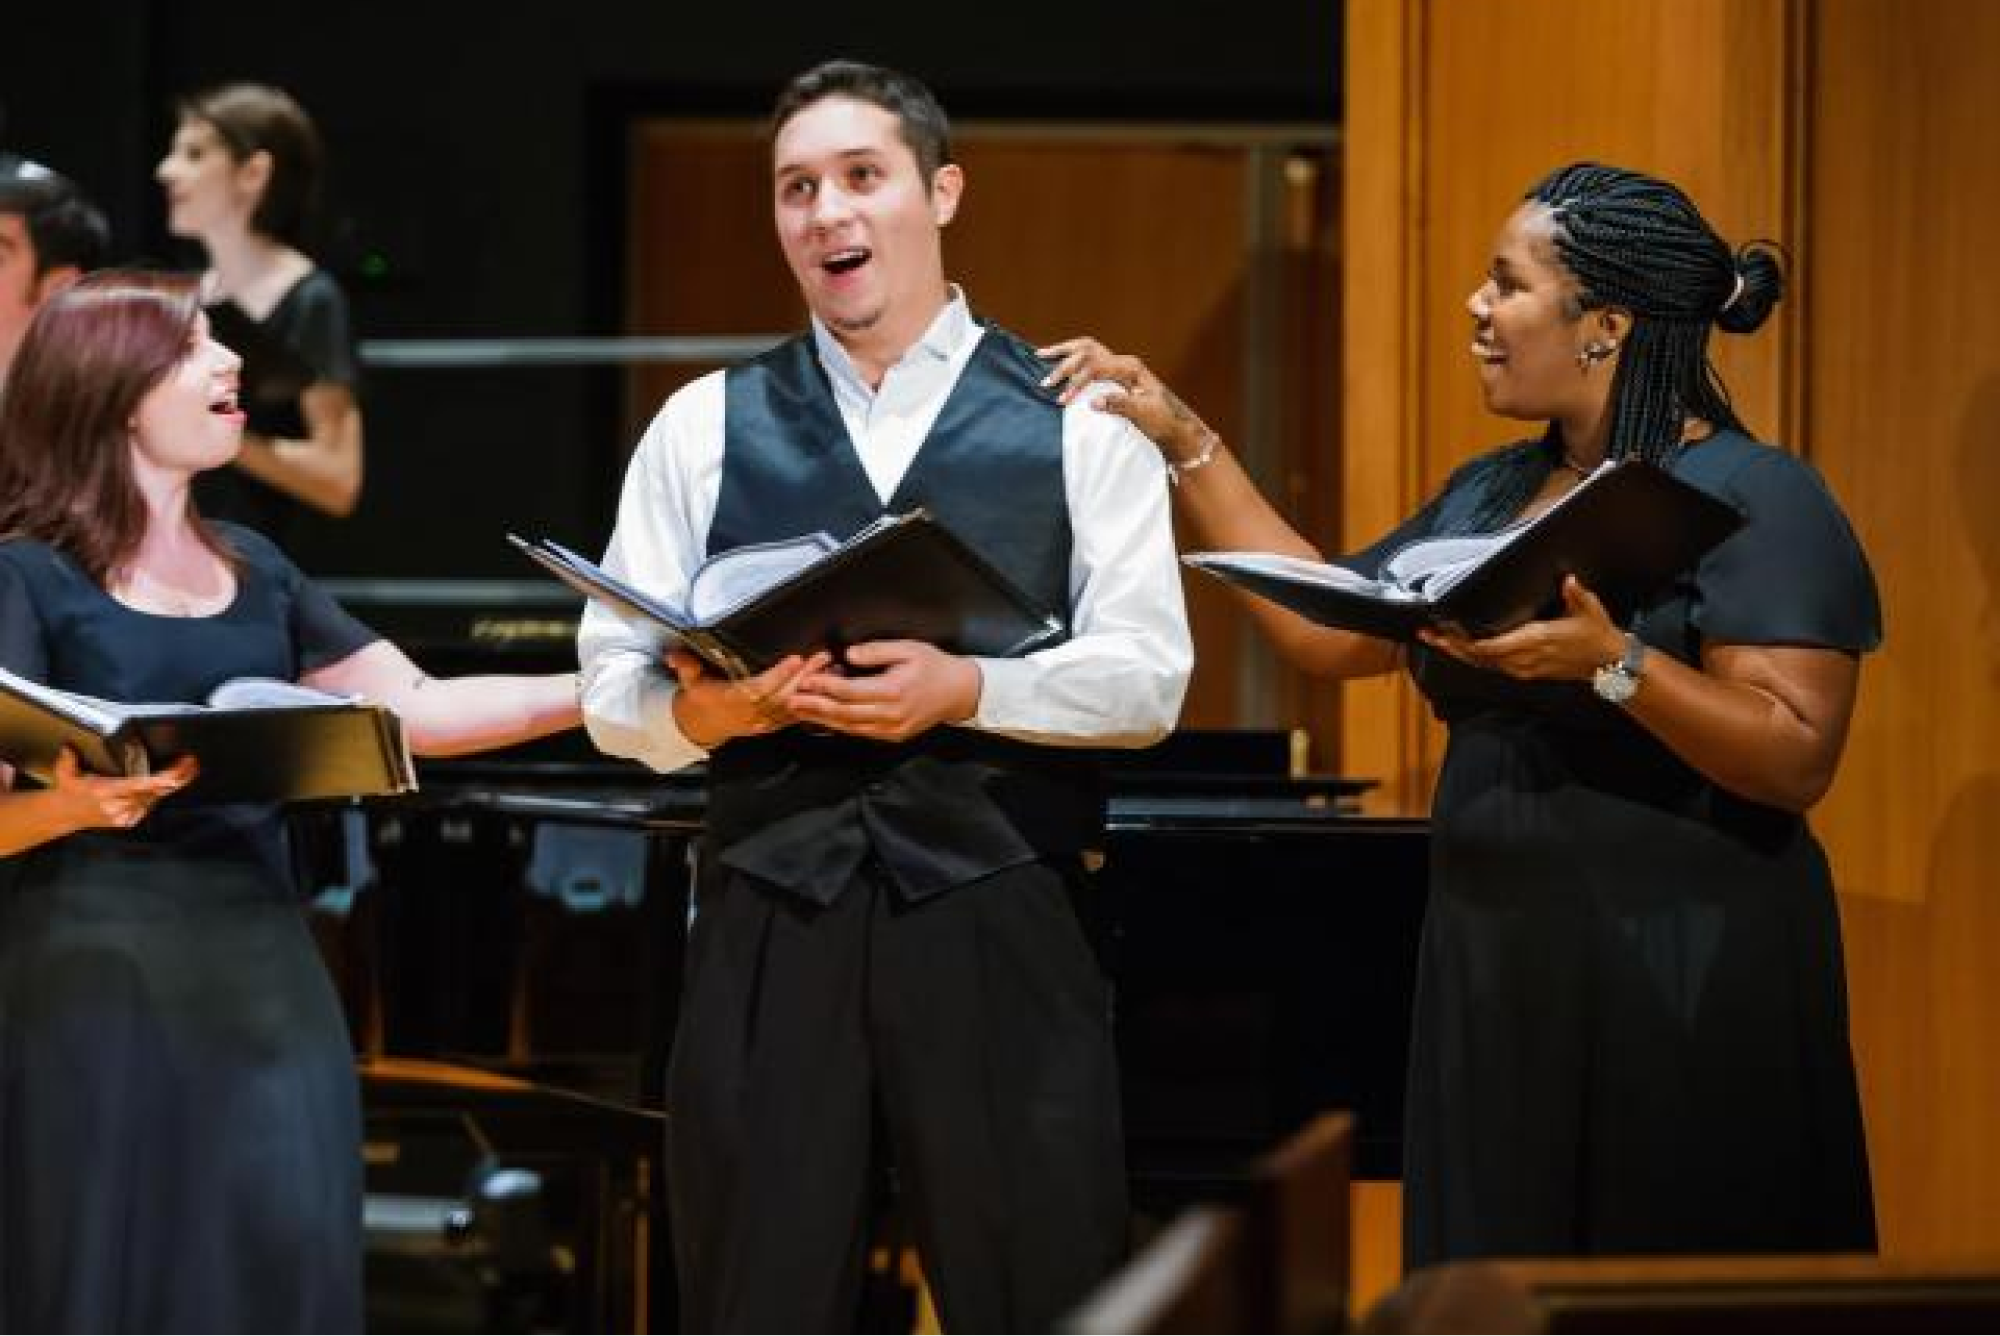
{"x":1903,"y":410}
{"x":703,"y":258}
{"x":1381,"y":729}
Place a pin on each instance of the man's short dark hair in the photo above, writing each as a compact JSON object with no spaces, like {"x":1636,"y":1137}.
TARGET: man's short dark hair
{"x":917,"y":112}
{"x":63,"y":226}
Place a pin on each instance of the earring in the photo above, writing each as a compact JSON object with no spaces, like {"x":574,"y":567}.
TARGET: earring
{"x":1593,"y":353}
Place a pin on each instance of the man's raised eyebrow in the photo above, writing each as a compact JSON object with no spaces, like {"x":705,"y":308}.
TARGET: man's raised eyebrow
{"x":844,"y":155}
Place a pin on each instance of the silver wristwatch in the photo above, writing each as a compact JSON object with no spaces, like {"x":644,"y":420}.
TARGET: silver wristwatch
{"x":1618,"y":681}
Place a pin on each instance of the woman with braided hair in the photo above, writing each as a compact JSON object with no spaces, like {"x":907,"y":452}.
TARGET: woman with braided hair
{"x":1631,"y":1024}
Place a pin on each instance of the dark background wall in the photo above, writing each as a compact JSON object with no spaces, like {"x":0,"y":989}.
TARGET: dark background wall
{"x":476,"y":184}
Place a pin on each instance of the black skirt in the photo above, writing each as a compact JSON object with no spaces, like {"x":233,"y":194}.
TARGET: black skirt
{"x":179,"y":1114}
{"x":1631,"y":1018}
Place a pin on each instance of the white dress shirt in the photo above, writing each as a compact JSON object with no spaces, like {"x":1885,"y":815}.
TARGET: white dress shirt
{"x":1117,"y":681}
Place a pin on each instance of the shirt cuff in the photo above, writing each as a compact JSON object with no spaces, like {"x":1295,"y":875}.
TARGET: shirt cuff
{"x":642,"y":725}
{"x":1006,"y":694}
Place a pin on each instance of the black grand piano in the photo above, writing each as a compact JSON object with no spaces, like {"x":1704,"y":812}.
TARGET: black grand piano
{"x":508,"y":943}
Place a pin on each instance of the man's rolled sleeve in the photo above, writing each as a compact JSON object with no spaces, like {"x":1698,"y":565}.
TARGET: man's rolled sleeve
{"x":663,"y":515}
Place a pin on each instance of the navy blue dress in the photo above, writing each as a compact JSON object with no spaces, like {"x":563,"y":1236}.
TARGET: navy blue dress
{"x":1631,"y":1018}
{"x":179,"y":1115}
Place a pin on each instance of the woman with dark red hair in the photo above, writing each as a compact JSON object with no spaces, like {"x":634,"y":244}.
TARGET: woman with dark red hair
{"x":179,"y":1115}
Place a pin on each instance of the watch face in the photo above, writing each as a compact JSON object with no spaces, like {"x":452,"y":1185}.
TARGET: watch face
{"x":1614,"y":684}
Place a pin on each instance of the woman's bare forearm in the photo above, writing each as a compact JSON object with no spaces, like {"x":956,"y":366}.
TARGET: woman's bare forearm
{"x":324,"y":468}
{"x":33,"y":817}
{"x":1769,"y":726}
{"x":451,"y":716}
{"x":1223,"y":509}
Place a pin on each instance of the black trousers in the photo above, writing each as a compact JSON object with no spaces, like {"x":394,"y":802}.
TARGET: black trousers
{"x":978,"y":1021}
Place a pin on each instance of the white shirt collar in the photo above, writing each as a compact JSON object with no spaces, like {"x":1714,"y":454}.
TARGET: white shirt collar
{"x":945,"y":337}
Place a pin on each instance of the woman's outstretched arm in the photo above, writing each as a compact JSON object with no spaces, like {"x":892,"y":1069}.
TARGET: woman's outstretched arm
{"x":1219,"y":502}
{"x":449,"y":716}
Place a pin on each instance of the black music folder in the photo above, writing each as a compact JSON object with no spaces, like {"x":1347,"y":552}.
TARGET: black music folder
{"x":258,"y":740}
{"x":904,"y":577}
{"x":1624,"y":531}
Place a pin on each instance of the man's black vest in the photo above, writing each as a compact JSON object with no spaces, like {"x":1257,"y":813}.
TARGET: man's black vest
{"x":801,"y":808}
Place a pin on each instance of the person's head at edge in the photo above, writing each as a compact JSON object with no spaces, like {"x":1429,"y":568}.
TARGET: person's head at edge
{"x":50,"y":235}
{"x":117,"y":396}
{"x":1595,"y":317}
{"x":245,"y":159}
{"x":863,"y":184}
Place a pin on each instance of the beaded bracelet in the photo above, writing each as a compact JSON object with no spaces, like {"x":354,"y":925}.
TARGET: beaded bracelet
{"x":1179,"y":468}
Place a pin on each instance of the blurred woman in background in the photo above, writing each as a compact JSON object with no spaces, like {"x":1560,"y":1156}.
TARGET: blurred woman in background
{"x":243,"y":178}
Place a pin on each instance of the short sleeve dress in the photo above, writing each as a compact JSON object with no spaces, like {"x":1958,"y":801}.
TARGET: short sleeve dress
{"x":179,"y":1115}
{"x":312,"y":322}
{"x":1631,"y":1021}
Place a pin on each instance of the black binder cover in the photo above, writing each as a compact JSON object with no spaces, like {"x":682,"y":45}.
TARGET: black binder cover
{"x":1624,"y":532}
{"x":248,"y":753}
{"x":905,"y":578}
